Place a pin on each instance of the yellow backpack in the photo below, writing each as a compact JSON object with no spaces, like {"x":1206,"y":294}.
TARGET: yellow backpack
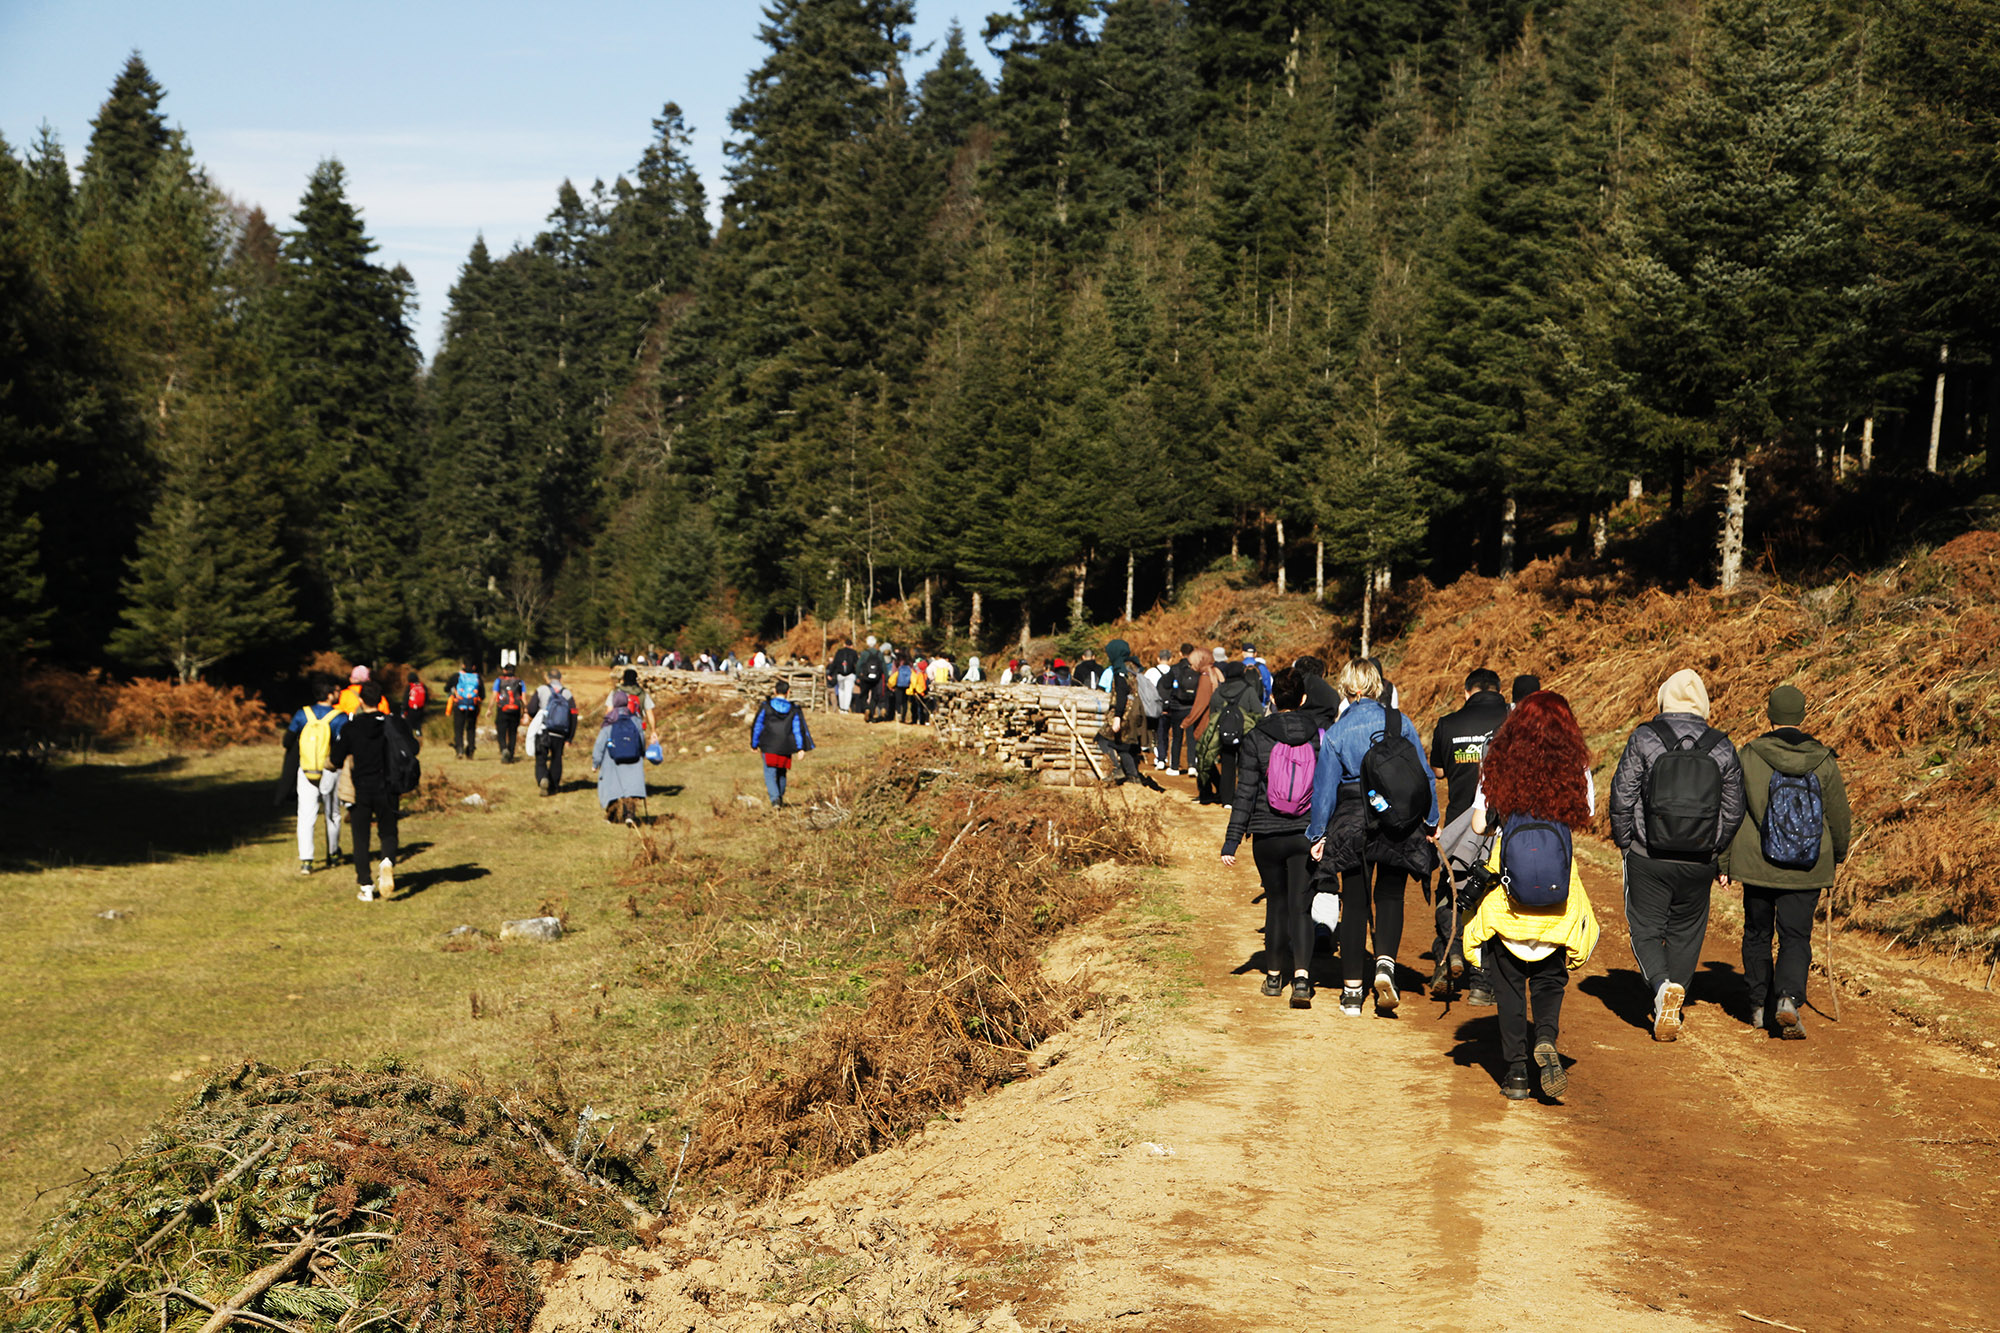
{"x":316,"y":743}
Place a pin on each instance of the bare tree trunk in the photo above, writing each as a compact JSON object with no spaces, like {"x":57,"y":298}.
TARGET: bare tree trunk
{"x":1076,"y":590}
{"x":1170,"y":571}
{"x":1130,"y":562}
{"x":902,"y":593}
{"x":1635,"y":488}
{"x":1236,"y":538}
{"x":1868,"y":444}
{"x":1319,"y":571}
{"x":1281,"y":553}
{"x":1600,"y":533}
{"x":1732,"y":525}
{"x":847,"y":603}
{"x":978,"y":615}
{"x":1508,"y":513}
{"x":1026,"y":616}
{"x":1819,"y":450}
{"x":1367,"y":608}
{"x":1937,"y":409}
{"x":927,"y":599}
{"x":1384,"y":580}
{"x":868,"y":603}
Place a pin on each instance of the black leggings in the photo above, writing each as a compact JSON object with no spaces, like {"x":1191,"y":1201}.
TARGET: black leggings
{"x":1390,"y":881}
{"x":1284,"y":865}
{"x":1515,"y":982}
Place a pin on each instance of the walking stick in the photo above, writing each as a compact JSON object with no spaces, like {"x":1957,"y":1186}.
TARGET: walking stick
{"x":1833,"y":982}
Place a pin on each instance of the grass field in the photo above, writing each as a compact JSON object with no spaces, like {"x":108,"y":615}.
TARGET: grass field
{"x":220,"y":951}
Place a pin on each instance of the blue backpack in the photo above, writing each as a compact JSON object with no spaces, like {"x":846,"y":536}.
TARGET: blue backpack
{"x":465,"y":690}
{"x":1793,"y":820}
{"x":628,"y":743}
{"x":559,"y":718}
{"x":1534,"y":861}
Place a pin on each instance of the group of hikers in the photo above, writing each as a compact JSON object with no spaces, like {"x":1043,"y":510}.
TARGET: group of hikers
{"x":1337,"y":792}
{"x":353,"y":753}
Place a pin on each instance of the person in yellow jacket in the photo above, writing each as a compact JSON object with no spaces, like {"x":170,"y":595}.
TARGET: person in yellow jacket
{"x":1535,"y":784}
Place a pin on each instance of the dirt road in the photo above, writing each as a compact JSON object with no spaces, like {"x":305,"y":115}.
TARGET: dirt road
{"x":1206,"y":1158}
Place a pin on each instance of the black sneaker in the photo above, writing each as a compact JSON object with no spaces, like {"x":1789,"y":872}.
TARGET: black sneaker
{"x":1480,"y":996}
{"x":1302,"y":993}
{"x":1554,"y":1077}
{"x":1516,"y":1087}
{"x":1274,"y":984}
{"x":1351,"y":999}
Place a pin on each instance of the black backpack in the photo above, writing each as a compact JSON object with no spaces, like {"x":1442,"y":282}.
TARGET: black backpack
{"x":401,"y":769}
{"x":776,"y":736}
{"x":1234,"y":718}
{"x":1182,"y":685}
{"x":1684,"y":796}
{"x":1397,"y":778}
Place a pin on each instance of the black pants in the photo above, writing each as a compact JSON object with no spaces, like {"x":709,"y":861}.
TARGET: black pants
{"x":1666,"y":908}
{"x":878,"y":701}
{"x":1284,"y":866}
{"x":1355,"y":901}
{"x":1515,"y":983}
{"x":464,"y":730}
{"x":548,"y":760}
{"x":899,"y":702}
{"x":1173,"y":730}
{"x":378,"y":808}
{"x":1225,"y":787}
{"x":1124,"y":759}
{"x":415,"y":717}
{"x":508,"y":725}
{"x":1791,"y":910}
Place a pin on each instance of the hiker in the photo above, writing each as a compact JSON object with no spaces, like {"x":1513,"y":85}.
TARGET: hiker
{"x":781,"y":734}
{"x":553,"y":727}
{"x":899,"y":687}
{"x":842,"y":668}
{"x":1085,"y":671}
{"x":1458,"y":744}
{"x":640,"y":702}
{"x":372,"y":787}
{"x":466,"y":693}
{"x":1180,"y":686}
{"x":1236,"y":706}
{"x":1322,"y":699}
{"x":416,"y":702}
{"x":1206,"y":678}
{"x":1525,"y":685}
{"x":1538,"y":926}
{"x":1272,"y":802}
{"x":350,"y":698}
{"x":309,"y":745}
{"x":1254,"y":663}
{"x":920,"y":690}
{"x":874,"y":668}
{"x":1125,"y":728}
{"x":973,"y":675}
{"x":509,"y":695}
{"x":1798,"y":830}
{"x":1374,"y":808}
{"x":618,"y":761}
{"x":1676,"y":802}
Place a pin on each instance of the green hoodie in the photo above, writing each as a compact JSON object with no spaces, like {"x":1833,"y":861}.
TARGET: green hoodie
{"x":1787,"y":750}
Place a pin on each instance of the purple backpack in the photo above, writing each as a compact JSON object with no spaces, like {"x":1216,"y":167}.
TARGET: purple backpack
{"x":1288,"y":778}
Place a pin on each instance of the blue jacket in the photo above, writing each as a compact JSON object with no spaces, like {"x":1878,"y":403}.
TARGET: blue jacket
{"x":802,"y":739}
{"x":1341,"y":749}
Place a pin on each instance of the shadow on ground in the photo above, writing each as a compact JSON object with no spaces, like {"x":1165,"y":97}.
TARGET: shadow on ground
{"x":108,"y":815}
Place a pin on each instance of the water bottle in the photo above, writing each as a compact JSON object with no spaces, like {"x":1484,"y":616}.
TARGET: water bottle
{"x":1377,"y":800}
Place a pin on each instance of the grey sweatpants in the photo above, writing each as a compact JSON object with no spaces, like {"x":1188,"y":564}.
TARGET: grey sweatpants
{"x":1666,"y":908}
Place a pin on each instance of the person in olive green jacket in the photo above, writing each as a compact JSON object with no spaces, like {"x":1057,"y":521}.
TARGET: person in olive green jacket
{"x":1782,"y":861}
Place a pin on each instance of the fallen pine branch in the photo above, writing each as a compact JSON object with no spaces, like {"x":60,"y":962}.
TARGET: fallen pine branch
{"x":260,"y":1282}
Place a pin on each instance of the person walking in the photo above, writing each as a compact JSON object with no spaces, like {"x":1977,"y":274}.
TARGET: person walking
{"x":920,"y":691}
{"x":1676,"y":802}
{"x":640,"y":702}
{"x":350,"y":697}
{"x":1538,"y":926}
{"x":1458,"y":744}
{"x":309,"y":740}
{"x":1253,"y":664}
{"x":842,"y":668}
{"x":1272,"y":803}
{"x":1180,"y":687}
{"x":1798,"y":830}
{"x":370,"y":789}
{"x":416,"y":704}
{"x":618,"y":759}
{"x":509,"y":699}
{"x":1373,"y":811}
{"x":1236,"y":706}
{"x":467,"y":692}
{"x":1207,"y":677}
{"x":555,"y":725}
{"x":874,"y":668}
{"x":1323,"y":701}
{"x":780,"y":734}
{"x":1125,"y":729}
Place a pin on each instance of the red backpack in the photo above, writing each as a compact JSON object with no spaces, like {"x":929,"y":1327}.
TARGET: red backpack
{"x":419,"y":696}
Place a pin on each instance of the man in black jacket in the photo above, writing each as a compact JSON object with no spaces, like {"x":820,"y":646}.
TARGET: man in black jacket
{"x":873,"y":668}
{"x":1667,"y":888}
{"x":1458,"y":745}
{"x":365,"y":740}
{"x":846,"y":662}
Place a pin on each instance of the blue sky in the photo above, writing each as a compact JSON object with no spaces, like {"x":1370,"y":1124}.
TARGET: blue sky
{"x":451,"y":118}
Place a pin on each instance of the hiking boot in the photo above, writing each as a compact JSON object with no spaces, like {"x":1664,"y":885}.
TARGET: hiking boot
{"x":1480,"y":996}
{"x":1757,"y":1017}
{"x":1516,"y":1087}
{"x":543,"y":785}
{"x":1789,"y":1026}
{"x":1457,"y":962}
{"x":1386,"y":998}
{"x":1302,"y":993}
{"x":1441,"y":981}
{"x":1274,"y":985}
{"x":1667,"y":1011}
{"x":1149,"y":784}
{"x":1554,"y":1077}
{"x":1351,"y":998}
{"x":385,"y":878}
{"x":305,"y":867}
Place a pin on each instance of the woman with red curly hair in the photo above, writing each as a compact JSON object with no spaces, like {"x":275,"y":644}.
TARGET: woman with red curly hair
{"x":1535,"y":784}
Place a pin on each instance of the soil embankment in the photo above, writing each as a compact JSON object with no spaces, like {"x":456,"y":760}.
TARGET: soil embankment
{"x":1200,"y":1157}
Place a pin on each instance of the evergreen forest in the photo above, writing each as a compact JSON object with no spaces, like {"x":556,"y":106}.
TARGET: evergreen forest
{"x":1345,"y":291}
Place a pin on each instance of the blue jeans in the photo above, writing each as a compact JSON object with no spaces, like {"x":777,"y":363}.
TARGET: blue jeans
{"x":774,"y":783}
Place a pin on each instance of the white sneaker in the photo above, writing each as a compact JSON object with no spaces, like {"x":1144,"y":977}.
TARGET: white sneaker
{"x":366,"y":893}
{"x":385,"y":878}
{"x":305,"y":867}
{"x":1386,"y":998}
{"x":1667,"y":1011}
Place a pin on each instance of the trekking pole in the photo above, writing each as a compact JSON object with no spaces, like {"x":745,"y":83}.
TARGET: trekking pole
{"x":1833,"y":982}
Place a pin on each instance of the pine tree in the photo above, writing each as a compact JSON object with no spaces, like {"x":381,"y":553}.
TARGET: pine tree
{"x":129,"y":138}
{"x":953,"y":96}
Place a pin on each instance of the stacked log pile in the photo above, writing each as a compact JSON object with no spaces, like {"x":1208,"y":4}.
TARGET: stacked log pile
{"x":1048,"y":728}
{"x":753,"y":686}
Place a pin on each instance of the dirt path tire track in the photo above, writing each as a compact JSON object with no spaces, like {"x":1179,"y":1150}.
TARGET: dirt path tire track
{"x":1235,"y":1164}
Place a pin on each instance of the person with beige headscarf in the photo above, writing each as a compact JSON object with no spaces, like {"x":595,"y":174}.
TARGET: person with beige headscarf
{"x":1676,"y":801}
